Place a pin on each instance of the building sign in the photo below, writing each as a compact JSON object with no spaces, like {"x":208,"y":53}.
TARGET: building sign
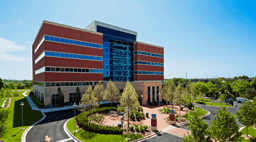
{"x":120,"y":45}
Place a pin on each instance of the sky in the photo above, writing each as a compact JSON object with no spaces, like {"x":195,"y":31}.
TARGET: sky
{"x":206,"y":39}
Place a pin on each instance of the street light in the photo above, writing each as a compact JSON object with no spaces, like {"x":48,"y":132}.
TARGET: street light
{"x":228,"y":95}
{"x":128,"y":139}
{"x":22,"y":104}
{"x":74,"y":119}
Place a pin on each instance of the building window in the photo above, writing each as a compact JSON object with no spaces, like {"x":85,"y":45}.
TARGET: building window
{"x":149,"y":94}
{"x":157,"y":93}
{"x":153,"y":94}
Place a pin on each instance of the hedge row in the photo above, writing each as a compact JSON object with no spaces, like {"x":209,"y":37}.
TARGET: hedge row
{"x":83,"y":121}
{"x":39,"y":103}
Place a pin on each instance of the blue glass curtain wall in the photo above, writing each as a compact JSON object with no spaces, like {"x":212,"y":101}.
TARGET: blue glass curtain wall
{"x":72,"y":56}
{"x":70,"y":41}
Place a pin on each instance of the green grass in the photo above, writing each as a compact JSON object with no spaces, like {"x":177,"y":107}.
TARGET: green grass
{"x":96,"y":137}
{"x":198,"y":110}
{"x":12,"y":93}
{"x":213,"y":104}
{"x":23,"y":90}
{"x":1,"y":101}
{"x":251,"y":132}
{"x":14,"y":124}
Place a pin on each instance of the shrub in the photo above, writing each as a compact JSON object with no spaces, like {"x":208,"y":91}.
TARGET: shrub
{"x":120,"y":109}
{"x":38,"y":103}
{"x":15,"y":94}
{"x":142,"y":115}
{"x":137,"y":129}
{"x":176,"y":117}
{"x":145,"y":127}
{"x":166,"y":109}
{"x":31,"y":94}
{"x":3,"y":118}
{"x":132,"y":128}
{"x":141,"y":128}
{"x":2,"y":95}
{"x":132,"y":116}
{"x":136,"y":125}
{"x":133,"y":136}
{"x":83,"y":121}
{"x":138,"y":117}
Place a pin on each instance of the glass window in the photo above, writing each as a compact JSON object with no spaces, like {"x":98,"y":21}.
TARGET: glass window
{"x":66,"y":40}
{"x":66,"y":69}
{"x":47,"y":84}
{"x":79,"y":43}
{"x":83,"y":57}
{"x":62,"y":84}
{"x":47,"y":69}
{"x":75,"y":69}
{"x":52,"y":69}
{"x":75,"y":42}
{"x":57,"y":69}
{"x":66,"y":83}
{"x":79,"y":56}
{"x":75,"y":56}
{"x":87,"y":83}
{"x":71,"y":69}
{"x":46,"y":37}
{"x":71,"y":84}
{"x":70,"y":41}
{"x":79,"y":70}
{"x":83,"y":70}
{"x":57,"y":84}
{"x":61,"y":54}
{"x":83,"y":83}
{"x":75,"y":83}
{"x":62,"y":69}
{"x":51,"y":38}
{"x":52,"y":84}
{"x":71,"y":56}
{"x":87,"y":70}
{"x":91,"y":83}
{"x":79,"y":83}
{"x":57,"y":39}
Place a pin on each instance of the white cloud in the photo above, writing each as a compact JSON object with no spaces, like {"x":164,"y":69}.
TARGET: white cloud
{"x":21,"y":23}
{"x":10,"y":46}
{"x":29,"y":42}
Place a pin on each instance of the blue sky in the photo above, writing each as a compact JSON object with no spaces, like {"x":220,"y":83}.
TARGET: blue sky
{"x":203,"y":38}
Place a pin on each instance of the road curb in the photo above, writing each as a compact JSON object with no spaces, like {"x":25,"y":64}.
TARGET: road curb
{"x":213,"y":106}
{"x":240,"y":129}
{"x":147,"y":137}
{"x":68,"y":132}
{"x":24,"y":135}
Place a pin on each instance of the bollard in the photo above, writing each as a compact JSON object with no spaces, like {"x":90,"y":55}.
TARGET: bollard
{"x":147,"y":114}
{"x":153,"y":122}
{"x":171,"y":115}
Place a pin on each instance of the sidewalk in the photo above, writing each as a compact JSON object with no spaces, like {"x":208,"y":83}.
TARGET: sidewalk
{"x":34,"y":106}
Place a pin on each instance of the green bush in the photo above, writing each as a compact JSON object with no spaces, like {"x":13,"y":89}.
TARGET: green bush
{"x":167,"y":110}
{"x":141,"y":128}
{"x":142,"y":116}
{"x":132,"y":116}
{"x":176,"y":117}
{"x":38,"y":102}
{"x":31,"y":94}
{"x":120,"y":109}
{"x":145,"y":127}
{"x":6,"y":102}
{"x":138,"y":117}
{"x":2,"y":95}
{"x":137,"y":129}
{"x":83,"y":121}
{"x":131,"y":128}
{"x":3,"y":118}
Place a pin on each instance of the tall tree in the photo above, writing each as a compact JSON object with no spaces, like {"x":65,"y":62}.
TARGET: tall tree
{"x":253,"y":83}
{"x":88,"y":101}
{"x":99,"y":91}
{"x":247,"y":114}
{"x":169,"y":94}
{"x":198,"y":128}
{"x":112,"y":93}
{"x":224,"y":126}
{"x":129,"y":98}
{"x":178,"y":98}
{"x":1,"y":83}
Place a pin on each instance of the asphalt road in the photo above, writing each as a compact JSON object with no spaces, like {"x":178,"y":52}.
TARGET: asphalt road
{"x":165,"y":137}
{"x":51,"y":126}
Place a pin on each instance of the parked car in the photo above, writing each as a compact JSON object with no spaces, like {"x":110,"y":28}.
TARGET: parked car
{"x":241,"y":100}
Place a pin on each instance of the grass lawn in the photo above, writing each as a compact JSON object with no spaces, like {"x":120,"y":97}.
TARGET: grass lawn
{"x":213,"y":104}
{"x":12,"y":93}
{"x":23,"y":90}
{"x":2,"y":101}
{"x":96,"y":137}
{"x":13,"y":132}
{"x":199,"y":111}
{"x":251,"y":132}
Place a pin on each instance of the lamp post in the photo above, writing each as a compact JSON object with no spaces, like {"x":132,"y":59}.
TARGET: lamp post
{"x":128,"y":139}
{"x":74,"y":120}
{"x":22,"y":104}
{"x":228,"y":95}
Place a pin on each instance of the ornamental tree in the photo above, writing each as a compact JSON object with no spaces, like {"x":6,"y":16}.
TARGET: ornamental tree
{"x":224,"y":126}
{"x":199,"y":129}
{"x":129,"y":98}
{"x":78,"y":94}
{"x":99,"y":91}
{"x":169,"y":94}
{"x":112,"y":93}
{"x":88,"y":101}
{"x":247,"y":114}
{"x":178,"y":100}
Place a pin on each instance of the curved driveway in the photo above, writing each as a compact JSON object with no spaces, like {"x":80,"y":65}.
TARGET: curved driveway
{"x":51,"y":126}
{"x":213,"y":111}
